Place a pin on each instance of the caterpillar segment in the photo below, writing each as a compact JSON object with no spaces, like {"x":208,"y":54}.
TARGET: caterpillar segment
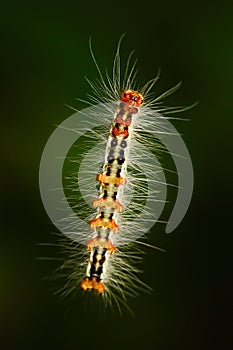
{"x":101,"y":242}
{"x":104,"y":222}
{"x":108,"y":204}
{"x":111,"y":180}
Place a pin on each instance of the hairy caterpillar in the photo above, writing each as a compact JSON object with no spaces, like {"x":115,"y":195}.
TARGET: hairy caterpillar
{"x":132,"y":186}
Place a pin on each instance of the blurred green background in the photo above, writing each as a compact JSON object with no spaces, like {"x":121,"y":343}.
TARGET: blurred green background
{"x":45,"y":56}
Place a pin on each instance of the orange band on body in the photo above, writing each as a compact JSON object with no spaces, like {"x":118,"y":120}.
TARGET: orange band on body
{"x":102,"y":222}
{"x":98,"y":242}
{"x":111,"y":180}
{"x":118,"y":132}
{"x":92,"y":284}
{"x":108,"y":202}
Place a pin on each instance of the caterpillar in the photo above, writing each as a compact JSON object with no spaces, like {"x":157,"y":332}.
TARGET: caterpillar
{"x":112,"y":178}
{"x":104,"y":223}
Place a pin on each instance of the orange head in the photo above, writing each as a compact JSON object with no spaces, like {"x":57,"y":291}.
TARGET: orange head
{"x":133,"y":98}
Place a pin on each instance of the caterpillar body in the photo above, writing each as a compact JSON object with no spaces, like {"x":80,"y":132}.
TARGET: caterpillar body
{"x":104,"y":247}
{"x":108,"y":203}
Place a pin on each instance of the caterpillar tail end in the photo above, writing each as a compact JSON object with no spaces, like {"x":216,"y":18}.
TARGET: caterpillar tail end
{"x":92,"y":284}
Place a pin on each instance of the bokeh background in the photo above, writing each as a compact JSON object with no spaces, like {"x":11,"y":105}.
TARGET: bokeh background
{"x":45,"y":57}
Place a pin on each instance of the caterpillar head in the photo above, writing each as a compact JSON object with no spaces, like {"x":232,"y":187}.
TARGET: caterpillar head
{"x":133,"y":98}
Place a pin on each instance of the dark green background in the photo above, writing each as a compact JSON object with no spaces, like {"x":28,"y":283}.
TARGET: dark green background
{"x":45,"y":54}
